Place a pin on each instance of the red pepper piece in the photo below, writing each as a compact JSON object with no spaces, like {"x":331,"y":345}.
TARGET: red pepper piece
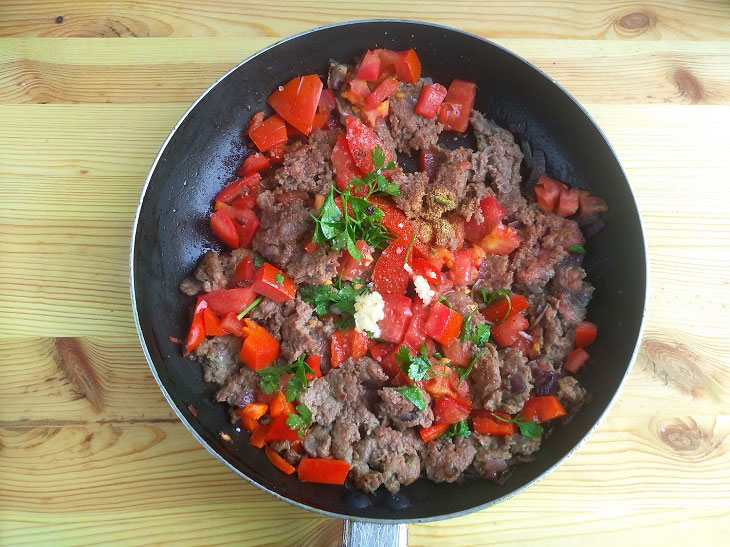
{"x":323,"y":471}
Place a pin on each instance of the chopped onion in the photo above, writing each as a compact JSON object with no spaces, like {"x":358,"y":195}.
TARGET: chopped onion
{"x":525,"y":336}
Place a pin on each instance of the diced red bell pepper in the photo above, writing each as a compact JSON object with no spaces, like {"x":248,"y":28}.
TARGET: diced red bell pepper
{"x":427,"y":270}
{"x":224,"y":229}
{"x":386,"y":88}
{"x":212,"y":323}
{"x":279,"y":405}
{"x":270,"y":133}
{"x":297,"y":100}
{"x":575,"y":360}
{"x":258,"y":436}
{"x":486,"y":424}
{"x":498,"y":310}
{"x":245,"y":270}
{"x":196,"y":334}
{"x":279,"y":431}
{"x":397,"y":315}
{"x":232,"y":325}
{"x":547,"y":191}
{"x":346,"y":344}
{"x":464,"y":272}
{"x":407,"y":65}
{"x":396,"y":222}
{"x":429,"y":162}
{"x":590,"y":205}
{"x":456,"y":109}
{"x":542,"y":409}
{"x":259,"y":349}
{"x":343,"y":164}
{"x":585,"y":334}
{"x":501,"y":241}
{"x":253,"y":163}
{"x":277,"y":461}
{"x":251,"y":413}
{"x":458,"y":353}
{"x":567,"y":202}
{"x":276,"y":153}
{"x":432,"y":432}
{"x":492,"y":213}
{"x":323,"y":471}
{"x":369,"y":68}
{"x":415,"y":336}
{"x":362,"y":141}
{"x":450,"y":410}
{"x":244,"y":185}
{"x":225,"y":301}
{"x":372,"y":115}
{"x":443,"y":324}
{"x":357,"y":92}
{"x":429,"y":102}
{"x":271,"y":282}
{"x":351,"y":269}
{"x":506,"y":333}
{"x":314,"y":362}
{"x":389,"y":276}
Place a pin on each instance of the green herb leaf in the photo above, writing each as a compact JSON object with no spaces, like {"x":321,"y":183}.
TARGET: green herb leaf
{"x":301,"y":421}
{"x":258,"y":261}
{"x":496,"y":295}
{"x":248,"y":308}
{"x":527,"y":428}
{"x":296,"y":384}
{"x":479,"y":335}
{"x":443,"y":201}
{"x":408,"y":251}
{"x":416,"y":367}
{"x":443,"y":300}
{"x":279,"y":279}
{"x":414,"y":395}
{"x":577,"y":249}
{"x":342,"y":296}
{"x":460,"y":429}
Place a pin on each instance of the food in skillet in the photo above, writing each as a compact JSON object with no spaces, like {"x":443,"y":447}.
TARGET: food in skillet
{"x":380,"y":324}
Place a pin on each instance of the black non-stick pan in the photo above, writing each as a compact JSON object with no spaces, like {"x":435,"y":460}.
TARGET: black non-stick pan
{"x":204,"y":148}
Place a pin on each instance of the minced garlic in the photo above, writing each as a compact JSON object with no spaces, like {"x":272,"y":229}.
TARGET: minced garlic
{"x":369,"y":309}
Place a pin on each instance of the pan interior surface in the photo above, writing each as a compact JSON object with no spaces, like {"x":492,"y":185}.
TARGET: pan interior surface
{"x":206,"y":147}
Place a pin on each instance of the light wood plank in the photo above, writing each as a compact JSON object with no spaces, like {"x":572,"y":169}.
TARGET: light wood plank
{"x":654,"y":19}
{"x":174,"y":70}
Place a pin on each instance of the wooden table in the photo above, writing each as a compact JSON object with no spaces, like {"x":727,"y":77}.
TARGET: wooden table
{"x":90,"y":450}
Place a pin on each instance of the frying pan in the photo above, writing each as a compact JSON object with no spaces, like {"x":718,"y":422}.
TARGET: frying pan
{"x":199,"y":157}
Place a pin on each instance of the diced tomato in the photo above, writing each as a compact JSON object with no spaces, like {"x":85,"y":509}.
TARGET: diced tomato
{"x":458,"y":226}
{"x":253,"y":163}
{"x":357,"y":92}
{"x":443,"y":256}
{"x":314,"y":362}
{"x":389,"y":276}
{"x":458,"y":353}
{"x":547,"y":191}
{"x":432,"y":95}
{"x":455,"y":111}
{"x":258,"y":436}
{"x":225,"y":301}
{"x":450,"y":410}
{"x":256,"y":120}
{"x":271,"y":282}
{"x":542,"y":409}
{"x":386,"y":88}
{"x":196,"y":334}
{"x":486,"y":424}
{"x":212,"y":323}
{"x":407,"y":65}
{"x":585,"y":334}
{"x":501,"y":241}
{"x":251,"y":413}
{"x":246,"y":226}
{"x":311,"y":247}
{"x":506,"y":334}
{"x":575,"y":360}
{"x":276,"y":153}
{"x":432,"y":432}
{"x":415,"y":337}
{"x":259,"y":349}
{"x":245,"y":270}
{"x":378,"y":350}
{"x":397,"y":315}
{"x":244,"y":202}
{"x":429,"y":162}
{"x":323,"y":471}
{"x":362,"y":141}
{"x":427,"y":270}
{"x":224,"y":229}
{"x":279,"y":431}
{"x":464,"y":272}
{"x":521,"y":345}
{"x":324,"y":109}
{"x":343,"y":164}
{"x":492,"y":213}
{"x":390,"y":365}
{"x":349,"y":268}
{"x":372,"y":115}
{"x":497,"y":310}
{"x":444,"y":382}
{"x":567,"y":202}
{"x":346,"y":344}
{"x":396,"y":222}
{"x":247,"y":184}
{"x":297,"y":100}
{"x":279,"y":405}
{"x":232,"y":325}
{"x":590,"y":205}
{"x":369,"y":68}
{"x":443,"y":324}
{"x":270,"y":133}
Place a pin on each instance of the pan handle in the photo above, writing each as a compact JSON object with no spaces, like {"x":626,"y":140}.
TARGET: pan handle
{"x":357,"y":533}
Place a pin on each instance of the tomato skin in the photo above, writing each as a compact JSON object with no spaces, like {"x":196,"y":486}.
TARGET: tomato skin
{"x":343,"y":164}
{"x":396,"y":222}
{"x":567,"y":202}
{"x":432,"y":432}
{"x":575,"y":360}
{"x":497,"y":310}
{"x":323,"y":471}
{"x":389,"y":276}
{"x":271,"y":132}
{"x":397,"y":316}
{"x":246,"y":184}
{"x":314,"y":362}
{"x":225,"y":301}
{"x":264,"y":283}
{"x":297,"y":101}
{"x":493,"y":214}
{"x":585,"y":334}
{"x":246,"y":226}
{"x":415,"y":336}
{"x":427,"y":270}
{"x":443,"y":324}
{"x":386,"y":88}
{"x":463,"y":272}
{"x":542,"y":409}
{"x":224,"y":229}
{"x":501,"y":241}
{"x":458,"y":353}
{"x":349,"y":268}
{"x":275,"y":154}
{"x":357,"y":92}
{"x":547,"y":191}
{"x":369,"y":69}
{"x":506,"y":334}
{"x":245,"y":270}
{"x":590,"y":205}
{"x":251,"y":413}
{"x":253,"y":163}
{"x":486,"y":424}
{"x":386,"y":358}
{"x":430,"y":99}
{"x":346,"y":344}
{"x":362,"y":141}
{"x":407,"y":65}
{"x":324,"y":109}
{"x":258,"y":436}
{"x":450,"y":410}
{"x":443,"y":381}
{"x":196,"y":333}
{"x":230,"y":324}
{"x":455,"y":111}
{"x":372,"y":115}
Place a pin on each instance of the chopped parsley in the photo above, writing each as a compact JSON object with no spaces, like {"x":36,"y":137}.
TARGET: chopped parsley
{"x":527,"y":429}
{"x":496,"y":295}
{"x":248,"y":308}
{"x":414,"y":395}
{"x":577,"y":249}
{"x":479,"y":335}
{"x":445,"y":302}
{"x":296,"y":384}
{"x":417,"y":367}
{"x":340,"y":295}
{"x":300,"y":421}
{"x":258,"y":261}
{"x":375,"y":180}
{"x":443,"y":201}
{"x":460,"y":429}
{"x":279,"y":279}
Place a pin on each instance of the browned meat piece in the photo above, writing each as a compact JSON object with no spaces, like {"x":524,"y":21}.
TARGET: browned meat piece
{"x":413,"y":188}
{"x":271,"y":315}
{"x":303,"y":332}
{"x":307,"y":165}
{"x":210,"y":272}
{"x":464,"y":304}
{"x":317,"y":441}
{"x":313,"y":268}
{"x":516,"y":381}
{"x":557,"y":338}
{"x":219,"y":356}
{"x":446,"y":460}
{"x":491,"y":455}
{"x":571,"y":394}
{"x":241,"y":389}
{"x":494,"y":274}
{"x":522,"y":447}
{"x":572,"y":292}
{"x":485,"y":379}
{"x":411,"y":131}
{"x":190,"y":286}
{"x":386,"y":457}
{"x":286,"y":451}
{"x":398,"y":412}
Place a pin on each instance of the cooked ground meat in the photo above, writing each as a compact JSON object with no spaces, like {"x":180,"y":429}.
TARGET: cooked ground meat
{"x":240,"y":389}
{"x":411,"y":131}
{"x":400,"y":413}
{"x":219,"y":356}
{"x":446,"y":460}
{"x":306,"y":164}
{"x":516,"y":380}
{"x":485,"y":380}
{"x":303,"y":332}
{"x":282,"y":228}
{"x":571,"y":394}
{"x":387,"y":457}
